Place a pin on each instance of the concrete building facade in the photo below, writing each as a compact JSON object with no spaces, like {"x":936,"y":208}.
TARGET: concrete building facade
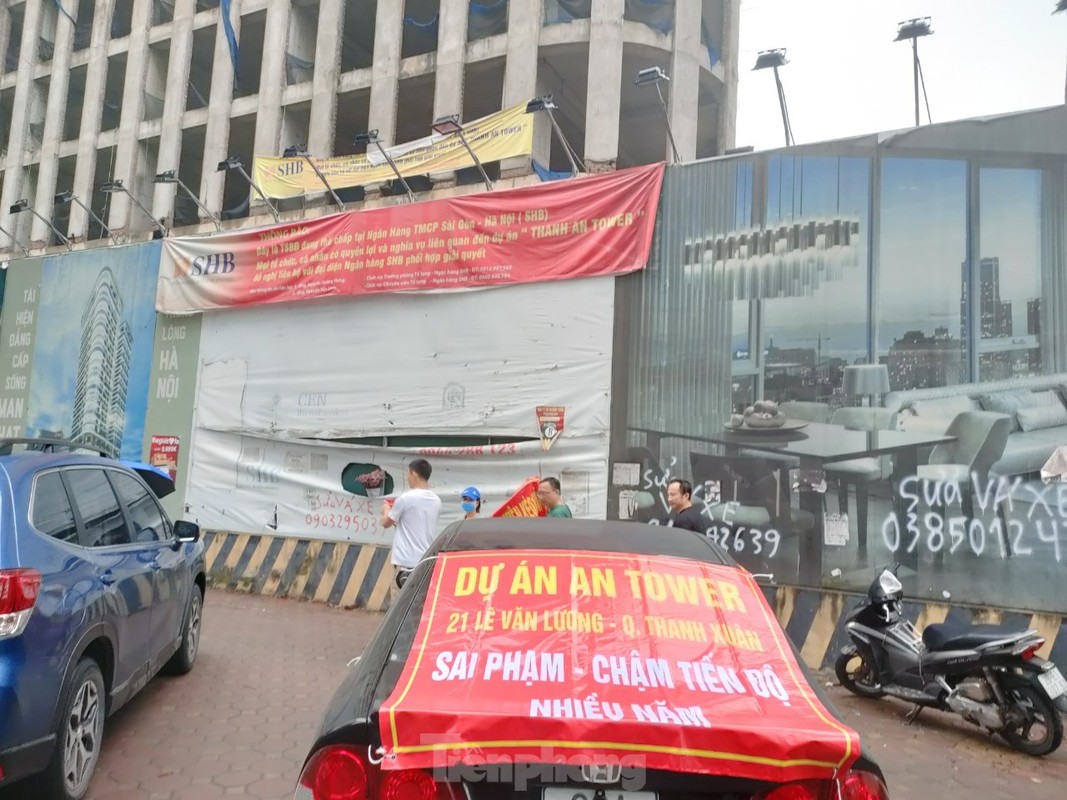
{"x":94,"y":91}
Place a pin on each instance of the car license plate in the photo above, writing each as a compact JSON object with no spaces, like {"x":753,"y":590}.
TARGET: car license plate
{"x":1053,"y":682}
{"x":584,"y":793}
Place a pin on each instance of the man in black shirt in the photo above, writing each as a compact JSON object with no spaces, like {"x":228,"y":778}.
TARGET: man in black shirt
{"x":683,"y":513}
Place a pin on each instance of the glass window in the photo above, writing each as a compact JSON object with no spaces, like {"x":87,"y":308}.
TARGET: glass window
{"x":52,"y":514}
{"x":923,"y":243}
{"x":817,"y":324}
{"x":105,"y":525}
{"x":1008,"y":283}
{"x":149,"y":522}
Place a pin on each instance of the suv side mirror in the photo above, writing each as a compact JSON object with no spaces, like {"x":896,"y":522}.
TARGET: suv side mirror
{"x":186,"y":532}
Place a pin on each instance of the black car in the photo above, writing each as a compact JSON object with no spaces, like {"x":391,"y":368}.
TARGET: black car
{"x":355,"y":754}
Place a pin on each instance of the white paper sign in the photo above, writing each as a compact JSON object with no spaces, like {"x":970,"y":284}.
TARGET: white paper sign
{"x":625,"y":474}
{"x":835,"y":530}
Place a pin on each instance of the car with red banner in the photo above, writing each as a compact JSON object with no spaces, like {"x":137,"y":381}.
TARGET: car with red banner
{"x":565,"y":659}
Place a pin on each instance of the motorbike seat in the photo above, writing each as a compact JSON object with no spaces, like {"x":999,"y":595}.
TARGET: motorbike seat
{"x":967,"y":637}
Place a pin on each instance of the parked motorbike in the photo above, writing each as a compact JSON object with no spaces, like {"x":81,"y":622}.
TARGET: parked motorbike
{"x":990,"y":675}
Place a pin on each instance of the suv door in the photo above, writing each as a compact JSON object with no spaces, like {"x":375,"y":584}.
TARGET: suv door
{"x":122,"y":569}
{"x":153,"y":533}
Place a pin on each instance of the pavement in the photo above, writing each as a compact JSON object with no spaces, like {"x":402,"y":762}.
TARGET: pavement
{"x":240,"y":724}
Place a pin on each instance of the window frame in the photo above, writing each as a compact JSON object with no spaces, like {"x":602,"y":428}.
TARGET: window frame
{"x":78,"y":529}
{"x":168,"y":525}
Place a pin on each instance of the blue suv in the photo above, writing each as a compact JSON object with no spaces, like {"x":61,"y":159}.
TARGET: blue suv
{"x":99,"y":591}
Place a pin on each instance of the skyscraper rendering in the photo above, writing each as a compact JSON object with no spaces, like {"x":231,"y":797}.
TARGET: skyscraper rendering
{"x":103,"y":368}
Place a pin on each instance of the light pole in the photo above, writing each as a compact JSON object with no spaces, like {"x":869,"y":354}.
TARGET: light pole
{"x":171,"y":176}
{"x":24,"y":205}
{"x":301,"y":151}
{"x":912,"y":29}
{"x":68,"y":197}
{"x":655,"y":76}
{"x":233,"y":162}
{"x":772,"y":60}
{"x":371,"y":137}
{"x":110,"y":187}
{"x":16,"y":242}
{"x":450,"y":124}
{"x":545,"y":104}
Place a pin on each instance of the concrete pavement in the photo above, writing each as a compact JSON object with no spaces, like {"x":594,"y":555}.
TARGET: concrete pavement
{"x":240,"y":724}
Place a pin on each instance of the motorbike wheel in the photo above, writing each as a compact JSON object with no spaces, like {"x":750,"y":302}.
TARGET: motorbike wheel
{"x":856,"y":674}
{"x":1033,"y":712}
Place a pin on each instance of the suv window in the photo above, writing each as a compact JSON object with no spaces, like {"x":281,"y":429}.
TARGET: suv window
{"x":52,"y":514}
{"x":149,"y":523}
{"x":101,"y":515}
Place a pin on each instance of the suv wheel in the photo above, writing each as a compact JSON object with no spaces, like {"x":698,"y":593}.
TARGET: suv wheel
{"x":80,"y":734}
{"x":182,"y":661}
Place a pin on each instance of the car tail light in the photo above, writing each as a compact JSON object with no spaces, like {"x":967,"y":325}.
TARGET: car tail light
{"x":1031,"y":649}
{"x":856,"y":785}
{"x":342,"y":773}
{"x":18,"y":595}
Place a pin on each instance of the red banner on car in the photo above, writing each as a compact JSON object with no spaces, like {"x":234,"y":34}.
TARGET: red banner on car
{"x":542,"y":657}
{"x":524,"y":503}
{"x":584,"y":227}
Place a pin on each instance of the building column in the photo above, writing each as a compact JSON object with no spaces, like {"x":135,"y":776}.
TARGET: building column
{"x":170,"y":137}
{"x":20,"y":118}
{"x":385,"y":75}
{"x":451,"y":60}
{"x":92,"y":108}
{"x":728,"y":44}
{"x":602,"y":94}
{"x":217,"y":133}
{"x":324,"y":83}
{"x":121,"y":210}
{"x":54,"y":115}
{"x":683,"y":104}
{"x":271,"y":84}
{"x":525,"y":21}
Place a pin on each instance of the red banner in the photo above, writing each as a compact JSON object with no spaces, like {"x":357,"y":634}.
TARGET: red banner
{"x":583,"y":227}
{"x":524,"y":503}
{"x":584,"y":658}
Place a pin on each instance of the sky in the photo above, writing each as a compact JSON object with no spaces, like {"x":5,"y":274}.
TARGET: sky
{"x":846,"y":76}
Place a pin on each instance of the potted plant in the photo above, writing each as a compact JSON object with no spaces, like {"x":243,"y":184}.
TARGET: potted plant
{"x":373,"y":482}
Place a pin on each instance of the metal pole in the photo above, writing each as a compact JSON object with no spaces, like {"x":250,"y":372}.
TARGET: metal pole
{"x":54,"y":229}
{"x":201,"y":206}
{"x":140,"y":205}
{"x":392,"y":165}
{"x":251,"y":183}
{"x":667,"y":119}
{"x":325,"y":183}
{"x":781,"y":104}
{"x":563,"y":141}
{"x":96,"y":219}
{"x":16,"y":242}
{"x":915,"y":70}
{"x":481,"y":169}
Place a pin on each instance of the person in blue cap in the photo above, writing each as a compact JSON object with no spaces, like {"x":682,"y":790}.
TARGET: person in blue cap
{"x":471,"y":502}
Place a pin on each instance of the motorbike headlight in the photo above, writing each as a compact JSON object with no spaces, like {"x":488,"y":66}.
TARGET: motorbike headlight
{"x":889,"y":583}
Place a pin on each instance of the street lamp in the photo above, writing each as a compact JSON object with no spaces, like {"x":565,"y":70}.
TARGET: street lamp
{"x":110,"y":187}
{"x":912,"y":29}
{"x":24,"y":205}
{"x":371,"y":137}
{"x":15,"y":241}
{"x":299,"y":150}
{"x":655,"y":76}
{"x":68,"y":197}
{"x":545,"y":104}
{"x":772,"y":60}
{"x":233,"y":162}
{"x":171,"y":176}
{"x":450,"y":124}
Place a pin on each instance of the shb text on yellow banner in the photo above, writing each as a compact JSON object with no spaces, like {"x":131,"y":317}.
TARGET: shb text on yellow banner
{"x":505,"y":134}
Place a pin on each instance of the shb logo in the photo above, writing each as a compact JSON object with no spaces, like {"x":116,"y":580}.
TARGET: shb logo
{"x":455,"y":396}
{"x":213,"y":264}
{"x":291,"y":168}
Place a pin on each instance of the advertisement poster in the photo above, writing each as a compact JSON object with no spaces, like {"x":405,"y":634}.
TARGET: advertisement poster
{"x":549,"y":424}
{"x":505,"y":134}
{"x":524,"y":503}
{"x":164,"y":454}
{"x":586,"y":227}
{"x":78,"y":331}
{"x":675,"y":664}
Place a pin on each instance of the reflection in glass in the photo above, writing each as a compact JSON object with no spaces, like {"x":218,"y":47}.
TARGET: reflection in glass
{"x":923,"y":244}
{"x":1009,"y":274}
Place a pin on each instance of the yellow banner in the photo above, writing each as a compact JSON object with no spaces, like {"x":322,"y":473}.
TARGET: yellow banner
{"x":505,"y":134}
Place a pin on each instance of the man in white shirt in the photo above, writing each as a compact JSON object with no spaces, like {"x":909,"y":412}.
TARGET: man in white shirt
{"x":414,"y":516}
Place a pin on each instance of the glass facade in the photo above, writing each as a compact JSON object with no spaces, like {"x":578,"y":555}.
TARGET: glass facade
{"x":856,"y":354}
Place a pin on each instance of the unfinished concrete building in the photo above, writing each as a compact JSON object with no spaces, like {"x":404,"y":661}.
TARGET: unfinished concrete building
{"x":106,"y":94}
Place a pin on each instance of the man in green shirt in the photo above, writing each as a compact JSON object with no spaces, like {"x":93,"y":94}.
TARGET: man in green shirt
{"x":548,"y":491}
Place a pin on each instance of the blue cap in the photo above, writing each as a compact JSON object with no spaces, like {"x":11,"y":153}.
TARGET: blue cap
{"x":472,"y":493}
